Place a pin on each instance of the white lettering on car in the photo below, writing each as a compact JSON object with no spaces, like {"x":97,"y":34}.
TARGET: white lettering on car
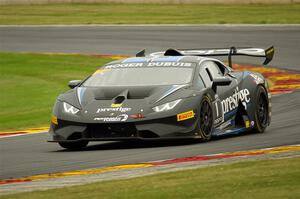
{"x":120,"y":118}
{"x":231,"y":102}
{"x":113,"y":109}
{"x":257,"y":79}
{"x":150,"y":64}
{"x":125,"y":65}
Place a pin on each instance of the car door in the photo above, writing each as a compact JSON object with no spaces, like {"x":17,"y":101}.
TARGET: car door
{"x":210,"y":70}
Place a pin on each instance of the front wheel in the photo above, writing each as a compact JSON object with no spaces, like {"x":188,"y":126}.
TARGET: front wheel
{"x":74,"y":145}
{"x":261,"y":110}
{"x":205,"y":123}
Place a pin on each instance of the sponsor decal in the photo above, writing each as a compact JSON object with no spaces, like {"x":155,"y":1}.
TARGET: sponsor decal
{"x":231,"y":103}
{"x":120,"y":118}
{"x":124,"y":65}
{"x":257,"y":79}
{"x":180,"y":64}
{"x":115,"y":105}
{"x":150,"y":64}
{"x":247,"y":123}
{"x":113,"y":109}
{"x":185,"y":115}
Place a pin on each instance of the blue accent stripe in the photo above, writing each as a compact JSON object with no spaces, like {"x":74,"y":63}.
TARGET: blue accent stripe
{"x":80,"y":93}
{"x":245,"y":74}
{"x":229,"y":114}
{"x":135,"y":59}
{"x":167,"y":59}
{"x":232,"y":132}
{"x":158,"y":59}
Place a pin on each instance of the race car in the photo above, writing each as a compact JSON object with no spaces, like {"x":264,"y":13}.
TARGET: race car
{"x":176,"y":94}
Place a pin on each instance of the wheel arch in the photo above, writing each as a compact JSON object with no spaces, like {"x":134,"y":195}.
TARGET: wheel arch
{"x":251,"y":109}
{"x":252,"y":81}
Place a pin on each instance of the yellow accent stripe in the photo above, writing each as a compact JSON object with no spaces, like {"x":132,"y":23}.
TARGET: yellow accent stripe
{"x":116,"y":105}
{"x":27,"y":131}
{"x":274,"y":150}
{"x":84,"y":172}
{"x":54,"y":120}
{"x":118,"y":57}
{"x":100,"y":71}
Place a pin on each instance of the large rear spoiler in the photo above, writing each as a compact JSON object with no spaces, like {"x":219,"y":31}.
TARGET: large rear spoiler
{"x":233,"y":51}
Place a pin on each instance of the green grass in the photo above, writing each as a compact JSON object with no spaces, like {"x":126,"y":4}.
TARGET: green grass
{"x":149,"y":14}
{"x":30,"y":84}
{"x":261,"y":179}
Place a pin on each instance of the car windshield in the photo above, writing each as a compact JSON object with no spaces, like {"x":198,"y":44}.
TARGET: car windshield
{"x":140,"y":76}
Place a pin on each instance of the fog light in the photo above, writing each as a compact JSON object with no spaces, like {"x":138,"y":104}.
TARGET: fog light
{"x":54,"y":120}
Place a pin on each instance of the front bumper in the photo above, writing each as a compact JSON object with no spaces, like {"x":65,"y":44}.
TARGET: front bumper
{"x":163,"y":128}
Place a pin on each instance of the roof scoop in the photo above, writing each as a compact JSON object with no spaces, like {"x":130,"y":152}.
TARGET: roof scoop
{"x":173,"y":52}
{"x":141,"y":53}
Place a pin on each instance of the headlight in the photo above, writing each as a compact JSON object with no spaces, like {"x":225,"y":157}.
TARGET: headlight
{"x":70,"y":109}
{"x":166,"y":106}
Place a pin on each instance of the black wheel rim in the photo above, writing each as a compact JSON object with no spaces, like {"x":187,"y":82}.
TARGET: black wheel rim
{"x":206,"y":118}
{"x":262,"y":111}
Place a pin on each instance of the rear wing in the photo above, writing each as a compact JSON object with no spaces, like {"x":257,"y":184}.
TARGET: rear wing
{"x":233,"y":51}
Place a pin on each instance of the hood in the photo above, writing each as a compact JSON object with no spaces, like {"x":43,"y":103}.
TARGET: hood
{"x":117,"y":104}
{"x":122,"y":95}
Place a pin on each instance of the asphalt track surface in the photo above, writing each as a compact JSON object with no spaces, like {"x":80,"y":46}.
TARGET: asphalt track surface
{"x":31,"y":154}
{"x":128,"y":40}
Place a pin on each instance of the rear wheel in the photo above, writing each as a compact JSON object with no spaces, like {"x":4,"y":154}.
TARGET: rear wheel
{"x":205,"y":119}
{"x":261,"y":110}
{"x":74,"y":145}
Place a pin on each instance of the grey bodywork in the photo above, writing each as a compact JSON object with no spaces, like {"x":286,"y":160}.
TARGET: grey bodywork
{"x":226,"y":100}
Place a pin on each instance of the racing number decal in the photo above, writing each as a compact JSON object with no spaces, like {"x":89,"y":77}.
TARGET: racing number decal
{"x":219,"y":112}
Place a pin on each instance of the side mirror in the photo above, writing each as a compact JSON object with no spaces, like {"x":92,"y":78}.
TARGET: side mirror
{"x":221,"y":81}
{"x":74,"y":83}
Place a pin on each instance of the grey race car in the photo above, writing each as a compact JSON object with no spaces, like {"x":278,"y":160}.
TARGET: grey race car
{"x":165,"y":95}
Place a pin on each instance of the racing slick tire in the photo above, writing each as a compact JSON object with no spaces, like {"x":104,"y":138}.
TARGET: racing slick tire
{"x":74,"y":145}
{"x":206,"y":119}
{"x":261,"y":110}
